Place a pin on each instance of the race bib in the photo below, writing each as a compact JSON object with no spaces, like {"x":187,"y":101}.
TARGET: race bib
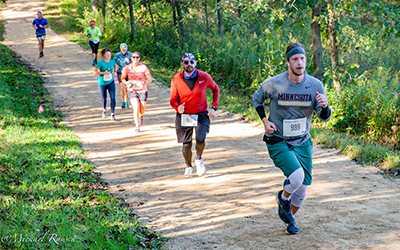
{"x":294,"y":127}
{"x":107,"y":77}
{"x":189,"y":120}
{"x":137,"y":86}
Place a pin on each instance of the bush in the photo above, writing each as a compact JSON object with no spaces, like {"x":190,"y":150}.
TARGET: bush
{"x":369,"y":107}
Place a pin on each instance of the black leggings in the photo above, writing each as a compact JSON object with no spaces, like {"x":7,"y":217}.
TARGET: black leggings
{"x":94,"y":46}
{"x":111,"y":91}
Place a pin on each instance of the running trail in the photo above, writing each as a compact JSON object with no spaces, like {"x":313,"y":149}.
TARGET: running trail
{"x":348,"y":206}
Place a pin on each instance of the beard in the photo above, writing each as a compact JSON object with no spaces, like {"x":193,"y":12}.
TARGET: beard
{"x":189,"y":69}
{"x":297,"y":72}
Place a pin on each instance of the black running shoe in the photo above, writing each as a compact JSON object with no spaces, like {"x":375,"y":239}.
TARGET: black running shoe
{"x":284,"y":209}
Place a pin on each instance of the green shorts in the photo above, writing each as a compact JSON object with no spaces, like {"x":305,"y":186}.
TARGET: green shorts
{"x":289,"y":158}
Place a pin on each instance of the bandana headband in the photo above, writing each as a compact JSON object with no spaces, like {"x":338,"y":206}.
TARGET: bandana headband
{"x":294,"y":51}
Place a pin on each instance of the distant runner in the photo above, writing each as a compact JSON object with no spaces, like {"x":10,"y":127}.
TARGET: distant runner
{"x":105,"y":69}
{"x":294,"y":95}
{"x":93,"y":33}
{"x":122,"y":59}
{"x":188,"y":98}
{"x":138,"y":77}
{"x":40,"y":25}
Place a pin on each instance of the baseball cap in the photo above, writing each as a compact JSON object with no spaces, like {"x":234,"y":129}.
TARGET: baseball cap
{"x":123,"y":46}
{"x":92,"y":21}
{"x":189,"y":56}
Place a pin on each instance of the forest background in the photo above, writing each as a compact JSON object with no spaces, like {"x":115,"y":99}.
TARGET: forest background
{"x":351,"y":47}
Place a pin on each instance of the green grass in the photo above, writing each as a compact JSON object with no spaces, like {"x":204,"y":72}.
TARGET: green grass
{"x":49,"y":195}
{"x":365,"y":153}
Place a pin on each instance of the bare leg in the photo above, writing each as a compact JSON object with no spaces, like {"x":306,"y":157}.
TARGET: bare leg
{"x":187,"y":153}
{"x":122,"y":91}
{"x":142,"y":107}
{"x":135,"y":106}
{"x":40,"y":44}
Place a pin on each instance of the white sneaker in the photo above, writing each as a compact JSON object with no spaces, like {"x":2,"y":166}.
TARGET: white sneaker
{"x":188,"y":172}
{"x":201,"y":169}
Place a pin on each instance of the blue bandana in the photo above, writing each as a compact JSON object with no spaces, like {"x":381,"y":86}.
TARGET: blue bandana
{"x":192,"y":76}
{"x":294,"y":51}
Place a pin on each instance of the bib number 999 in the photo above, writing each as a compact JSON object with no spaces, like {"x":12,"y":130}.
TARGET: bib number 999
{"x":295,"y":127}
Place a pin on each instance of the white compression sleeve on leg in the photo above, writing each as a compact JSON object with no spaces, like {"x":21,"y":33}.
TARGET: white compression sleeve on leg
{"x":299,"y":196}
{"x":294,"y":181}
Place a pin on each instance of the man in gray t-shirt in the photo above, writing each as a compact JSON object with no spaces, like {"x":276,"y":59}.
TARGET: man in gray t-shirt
{"x":294,"y":96}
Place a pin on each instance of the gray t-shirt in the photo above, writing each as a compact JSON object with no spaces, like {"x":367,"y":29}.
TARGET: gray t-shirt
{"x":291,"y":105}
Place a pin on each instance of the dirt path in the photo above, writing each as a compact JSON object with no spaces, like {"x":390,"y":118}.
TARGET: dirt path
{"x":233,"y":206}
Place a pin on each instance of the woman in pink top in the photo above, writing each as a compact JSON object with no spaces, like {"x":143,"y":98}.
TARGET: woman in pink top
{"x":136,"y":76}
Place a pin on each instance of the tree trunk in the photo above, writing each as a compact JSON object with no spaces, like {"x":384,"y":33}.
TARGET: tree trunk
{"x":132,"y":20}
{"x":103,"y":16}
{"x":220,"y":21}
{"x":94,"y":5}
{"x":180,"y":22}
{"x":317,"y":44}
{"x":174,"y":17}
{"x":206,"y":10}
{"x":152,"y":21}
{"x":332,"y":40}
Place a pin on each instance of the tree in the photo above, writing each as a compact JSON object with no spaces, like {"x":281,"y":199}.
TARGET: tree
{"x":180,"y":22}
{"x":132,"y":20}
{"x":103,"y":16}
{"x":317,"y":45}
{"x":94,"y":5}
{"x":152,"y":20}
{"x":206,"y":11}
{"x":220,"y":20}
{"x":332,"y":41}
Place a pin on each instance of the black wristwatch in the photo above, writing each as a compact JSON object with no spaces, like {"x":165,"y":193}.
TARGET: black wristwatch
{"x":215,"y":108}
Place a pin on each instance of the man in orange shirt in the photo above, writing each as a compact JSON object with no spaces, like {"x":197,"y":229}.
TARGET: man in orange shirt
{"x":188,"y":98}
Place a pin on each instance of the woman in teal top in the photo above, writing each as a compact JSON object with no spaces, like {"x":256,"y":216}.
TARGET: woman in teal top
{"x":93,"y":33}
{"x":106,"y":70}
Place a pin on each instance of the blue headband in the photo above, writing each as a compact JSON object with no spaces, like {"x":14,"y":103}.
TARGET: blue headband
{"x":294,"y":51}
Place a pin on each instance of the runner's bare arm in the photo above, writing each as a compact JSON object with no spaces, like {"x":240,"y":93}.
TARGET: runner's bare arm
{"x":96,"y":71}
{"x":269,"y":126}
{"x":322,"y":100}
{"x":123,"y":78}
{"x":148,"y":80}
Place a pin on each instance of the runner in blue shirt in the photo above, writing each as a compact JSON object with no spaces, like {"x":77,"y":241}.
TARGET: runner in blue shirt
{"x":40,"y":24}
{"x":122,"y":59}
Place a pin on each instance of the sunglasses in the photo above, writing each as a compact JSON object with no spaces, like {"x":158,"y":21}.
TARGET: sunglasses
{"x":135,"y":56}
{"x":187,"y":62}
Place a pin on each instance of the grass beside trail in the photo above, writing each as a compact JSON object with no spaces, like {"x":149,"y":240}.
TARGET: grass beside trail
{"x":50,"y":198}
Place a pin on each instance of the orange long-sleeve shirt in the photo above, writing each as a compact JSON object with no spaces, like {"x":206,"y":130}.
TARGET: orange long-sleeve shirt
{"x":195,"y":100}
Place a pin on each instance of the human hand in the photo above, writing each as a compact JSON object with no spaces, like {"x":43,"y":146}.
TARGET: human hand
{"x":322,"y":100}
{"x":127,"y":60}
{"x":181,"y":108}
{"x":212,"y":113}
{"x":269,"y":126}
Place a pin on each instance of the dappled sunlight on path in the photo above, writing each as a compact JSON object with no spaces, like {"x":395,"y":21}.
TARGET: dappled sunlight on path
{"x":233,"y":206}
